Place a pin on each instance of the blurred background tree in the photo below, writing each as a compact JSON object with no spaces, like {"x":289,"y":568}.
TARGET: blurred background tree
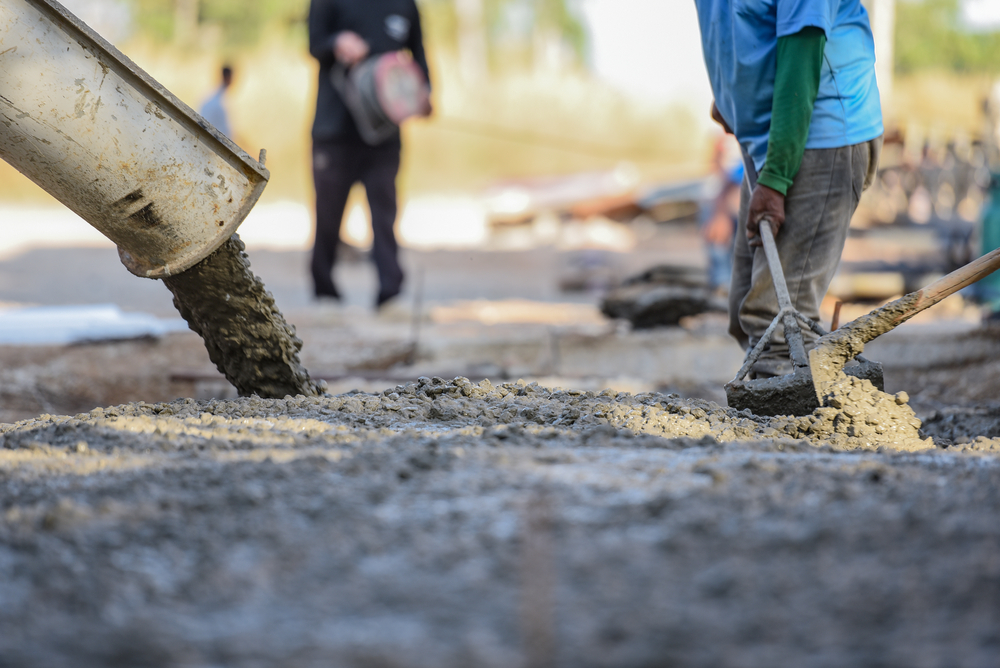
{"x":512,"y":33}
{"x":930,"y":35}
{"x":238,"y":24}
{"x":522,"y":87}
{"x":518,"y":34}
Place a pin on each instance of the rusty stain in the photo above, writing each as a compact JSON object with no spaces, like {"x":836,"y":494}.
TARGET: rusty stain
{"x":81,"y":105}
{"x":153,"y":109}
{"x":12,"y":49}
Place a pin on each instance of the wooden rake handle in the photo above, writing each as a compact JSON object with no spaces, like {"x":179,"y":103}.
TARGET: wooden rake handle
{"x":833,"y":350}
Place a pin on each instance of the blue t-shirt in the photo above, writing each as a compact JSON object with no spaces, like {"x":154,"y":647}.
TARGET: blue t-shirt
{"x":740,"y":42}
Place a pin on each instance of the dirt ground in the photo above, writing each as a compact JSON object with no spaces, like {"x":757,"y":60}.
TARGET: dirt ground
{"x":466,"y":523}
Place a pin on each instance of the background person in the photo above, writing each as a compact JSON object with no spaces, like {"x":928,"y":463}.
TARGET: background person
{"x":347,"y":31}
{"x":988,"y":289}
{"x":214,"y":110}
{"x":794,"y":80}
{"x":719,"y":216}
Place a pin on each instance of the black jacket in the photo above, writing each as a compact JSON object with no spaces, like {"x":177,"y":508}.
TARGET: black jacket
{"x":387,"y":25}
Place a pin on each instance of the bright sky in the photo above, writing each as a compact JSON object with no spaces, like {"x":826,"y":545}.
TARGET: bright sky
{"x":981,"y":14}
{"x":650,"y":49}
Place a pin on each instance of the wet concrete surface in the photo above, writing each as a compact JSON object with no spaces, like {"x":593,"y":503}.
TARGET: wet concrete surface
{"x":541,"y":528}
{"x":446,"y":523}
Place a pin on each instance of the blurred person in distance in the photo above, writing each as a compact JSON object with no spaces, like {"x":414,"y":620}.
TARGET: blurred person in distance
{"x":794,"y":81}
{"x":719,"y":231}
{"x":345,"y":33}
{"x":720,"y":215}
{"x":214,"y":110}
{"x":988,"y":289}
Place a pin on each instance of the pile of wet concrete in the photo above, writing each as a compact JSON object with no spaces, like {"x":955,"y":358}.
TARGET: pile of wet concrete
{"x":446,"y":523}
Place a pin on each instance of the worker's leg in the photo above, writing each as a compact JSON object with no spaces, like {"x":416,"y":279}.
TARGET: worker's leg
{"x":379,"y":177}
{"x":818,"y":210}
{"x":334,"y":172}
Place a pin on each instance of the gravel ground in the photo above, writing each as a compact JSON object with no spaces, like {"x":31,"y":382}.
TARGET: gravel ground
{"x":451,"y":524}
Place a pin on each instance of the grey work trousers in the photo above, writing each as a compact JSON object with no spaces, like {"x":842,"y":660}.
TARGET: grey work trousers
{"x":818,"y":210}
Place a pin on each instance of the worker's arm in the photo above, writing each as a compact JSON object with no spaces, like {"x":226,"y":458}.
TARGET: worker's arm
{"x":416,"y":45}
{"x":796,"y":85}
{"x":323,"y":30}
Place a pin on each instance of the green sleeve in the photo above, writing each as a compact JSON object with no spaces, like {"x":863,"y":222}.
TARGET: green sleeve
{"x":796,"y":84}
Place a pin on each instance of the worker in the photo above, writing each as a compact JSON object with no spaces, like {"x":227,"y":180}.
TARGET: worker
{"x":794,"y":81}
{"x":720,"y":219}
{"x":213,"y":109}
{"x":988,"y":289}
{"x":343,"y":33}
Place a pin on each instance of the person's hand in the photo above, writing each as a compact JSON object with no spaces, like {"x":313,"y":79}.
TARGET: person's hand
{"x":349,"y":48}
{"x":717,"y":117}
{"x":764,"y":203}
{"x":427,"y":109}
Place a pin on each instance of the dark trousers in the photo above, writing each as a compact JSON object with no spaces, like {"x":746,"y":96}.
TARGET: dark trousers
{"x":336,"y":167}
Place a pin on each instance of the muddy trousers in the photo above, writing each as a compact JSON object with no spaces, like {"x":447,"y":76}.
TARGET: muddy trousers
{"x":337,"y":166}
{"x":818,"y":210}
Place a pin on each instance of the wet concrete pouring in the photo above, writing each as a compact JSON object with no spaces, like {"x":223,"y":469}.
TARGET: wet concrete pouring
{"x":244,"y":332}
{"x":446,"y":523}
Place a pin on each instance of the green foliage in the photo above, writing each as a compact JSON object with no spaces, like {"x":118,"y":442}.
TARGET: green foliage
{"x":154,"y":18}
{"x":557,"y":15}
{"x":929,"y":36}
{"x":241,"y":22}
{"x":511,"y":26}
{"x":439,"y":22}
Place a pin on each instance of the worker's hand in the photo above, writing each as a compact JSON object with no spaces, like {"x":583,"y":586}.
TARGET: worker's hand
{"x":764,"y":203}
{"x":717,"y":117}
{"x":427,"y":109}
{"x":349,"y":48}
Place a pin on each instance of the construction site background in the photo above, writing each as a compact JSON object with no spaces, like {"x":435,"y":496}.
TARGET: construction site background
{"x":516,"y":91}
